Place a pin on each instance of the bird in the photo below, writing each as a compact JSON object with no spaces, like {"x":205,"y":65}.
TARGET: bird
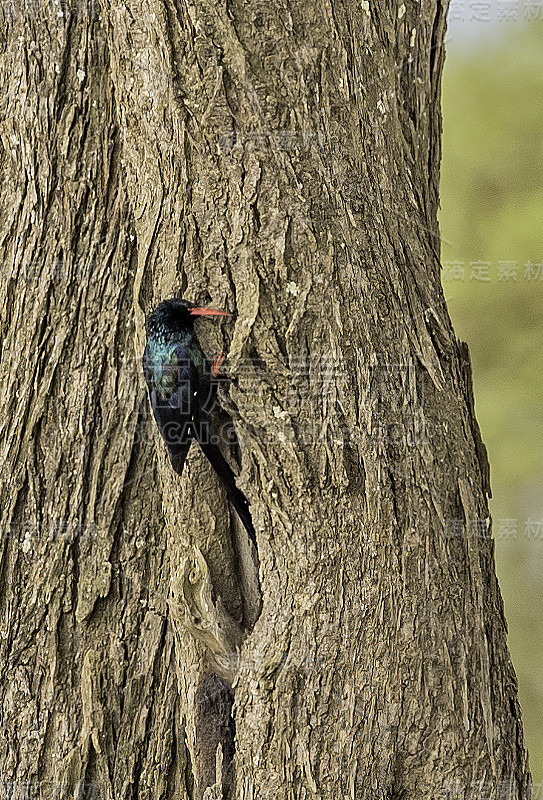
{"x":182,"y":386}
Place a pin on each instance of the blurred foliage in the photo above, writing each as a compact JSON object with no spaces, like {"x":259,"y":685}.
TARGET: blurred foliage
{"x":492,"y":212}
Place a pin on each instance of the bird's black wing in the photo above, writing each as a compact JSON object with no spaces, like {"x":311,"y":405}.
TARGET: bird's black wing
{"x":174,"y":400}
{"x":182,"y":406}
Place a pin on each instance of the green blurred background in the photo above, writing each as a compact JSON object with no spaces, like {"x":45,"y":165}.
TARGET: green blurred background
{"x":492,"y":254}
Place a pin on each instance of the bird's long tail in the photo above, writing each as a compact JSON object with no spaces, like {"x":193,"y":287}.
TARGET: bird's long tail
{"x":228,"y":480}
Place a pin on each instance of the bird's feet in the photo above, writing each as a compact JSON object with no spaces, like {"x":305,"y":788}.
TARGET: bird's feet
{"x":218,"y":361}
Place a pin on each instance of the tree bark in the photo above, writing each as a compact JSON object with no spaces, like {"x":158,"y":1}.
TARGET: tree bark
{"x":280,"y":160}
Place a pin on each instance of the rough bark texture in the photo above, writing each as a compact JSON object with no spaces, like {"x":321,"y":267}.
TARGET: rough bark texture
{"x":281,"y":160}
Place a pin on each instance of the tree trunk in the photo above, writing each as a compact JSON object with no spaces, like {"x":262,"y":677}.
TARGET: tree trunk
{"x":280,"y":160}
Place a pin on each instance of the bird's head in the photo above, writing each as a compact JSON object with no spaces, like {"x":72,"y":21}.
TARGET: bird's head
{"x":177,"y":315}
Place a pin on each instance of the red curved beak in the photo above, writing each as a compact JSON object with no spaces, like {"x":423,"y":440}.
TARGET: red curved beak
{"x":208,"y":312}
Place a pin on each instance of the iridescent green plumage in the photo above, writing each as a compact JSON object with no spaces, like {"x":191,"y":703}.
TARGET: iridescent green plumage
{"x":164,"y":356}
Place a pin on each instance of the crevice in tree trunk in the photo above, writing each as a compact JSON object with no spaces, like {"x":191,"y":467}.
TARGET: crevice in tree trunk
{"x":215,"y":736}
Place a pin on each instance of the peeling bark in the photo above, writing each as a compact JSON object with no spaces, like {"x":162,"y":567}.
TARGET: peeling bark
{"x":282,"y":161}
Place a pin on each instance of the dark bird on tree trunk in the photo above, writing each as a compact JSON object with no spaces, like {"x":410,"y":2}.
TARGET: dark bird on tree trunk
{"x":182,"y":388}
